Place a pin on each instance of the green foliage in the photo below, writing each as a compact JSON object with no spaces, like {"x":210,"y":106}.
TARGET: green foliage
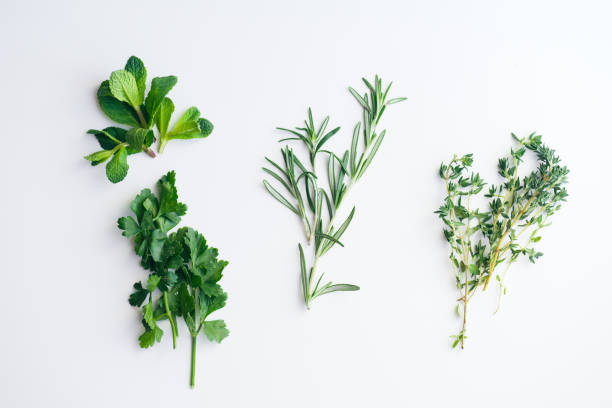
{"x":183,"y":271}
{"x":122,"y":99}
{"x":519,"y":207}
{"x":306,"y":192}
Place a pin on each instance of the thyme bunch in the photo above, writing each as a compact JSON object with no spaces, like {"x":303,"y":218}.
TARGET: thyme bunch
{"x":307,"y":196}
{"x":519,"y":208}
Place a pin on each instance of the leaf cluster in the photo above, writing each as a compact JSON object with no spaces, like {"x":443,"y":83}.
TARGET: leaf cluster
{"x":122,"y":98}
{"x":184,"y":272}
{"x":316,"y":199}
{"x":518,"y":209}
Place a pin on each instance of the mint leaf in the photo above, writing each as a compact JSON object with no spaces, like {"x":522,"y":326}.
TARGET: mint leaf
{"x":122,"y":99}
{"x":99,"y":157}
{"x":191,"y":126}
{"x":105,"y":139}
{"x":117,"y":167}
{"x":136,"y":137}
{"x":116,"y":110}
{"x":160,"y":87}
{"x":135,"y":67}
{"x":163,"y":116}
{"x":188,"y":123}
{"x":206,"y":127}
{"x":215,"y":330}
{"x":124,"y":88}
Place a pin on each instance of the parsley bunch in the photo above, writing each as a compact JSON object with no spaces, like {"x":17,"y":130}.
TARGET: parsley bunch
{"x":183,"y":270}
{"x":122,"y":99}
{"x":306,"y":192}
{"x":519,"y":208}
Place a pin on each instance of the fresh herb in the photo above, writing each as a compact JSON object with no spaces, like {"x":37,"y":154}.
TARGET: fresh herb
{"x":122,"y":99}
{"x":306,"y":193}
{"x":519,"y":208}
{"x":183,"y":270}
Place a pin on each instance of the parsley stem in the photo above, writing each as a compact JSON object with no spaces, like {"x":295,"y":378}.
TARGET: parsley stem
{"x":171,"y":320}
{"x":193,"y":360}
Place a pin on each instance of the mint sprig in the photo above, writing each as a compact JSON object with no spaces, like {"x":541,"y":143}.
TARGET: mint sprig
{"x":122,"y":99}
{"x":184,"y":272}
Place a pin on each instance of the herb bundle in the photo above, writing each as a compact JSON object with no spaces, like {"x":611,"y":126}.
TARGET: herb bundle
{"x":122,"y":99}
{"x":519,"y":208}
{"x":183,"y":270}
{"x":305,"y":189}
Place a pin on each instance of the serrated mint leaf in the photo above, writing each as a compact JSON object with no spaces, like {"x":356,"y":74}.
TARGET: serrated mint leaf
{"x":106,"y":140}
{"x":124,"y":88}
{"x":136,"y":137}
{"x":117,"y":133}
{"x":215,"y":330}
{"x":135,"y":66}
{"x":206,"y":127}
{"x":120,"y":112}
{"x":99,"y":157}
{"x":163,"y":115}
{"x":160,"y":87}
{"x":187,"y":123}
{"x":117,"y":167}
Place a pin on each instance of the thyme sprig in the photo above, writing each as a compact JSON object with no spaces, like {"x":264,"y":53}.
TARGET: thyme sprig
{"x":519,"y":208}
{"x":306,"y":192}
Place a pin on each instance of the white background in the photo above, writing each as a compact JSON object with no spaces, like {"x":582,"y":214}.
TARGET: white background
{"x":473,"y":73}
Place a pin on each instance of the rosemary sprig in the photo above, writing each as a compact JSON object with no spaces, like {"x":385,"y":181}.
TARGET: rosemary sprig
{"x":518,"y":209}
{"x":306,"y":192}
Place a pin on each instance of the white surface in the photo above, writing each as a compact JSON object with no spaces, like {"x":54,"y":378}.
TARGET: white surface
{"x":473,"y":72}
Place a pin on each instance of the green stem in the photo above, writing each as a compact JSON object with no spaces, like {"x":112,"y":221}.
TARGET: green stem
{"x":193,"y":360}
{"x":143,"y":124}
{"x":162,"y":144}
{"x":141,"y":118}
{"x":313,"y":270}
{"x":174,"y":334}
